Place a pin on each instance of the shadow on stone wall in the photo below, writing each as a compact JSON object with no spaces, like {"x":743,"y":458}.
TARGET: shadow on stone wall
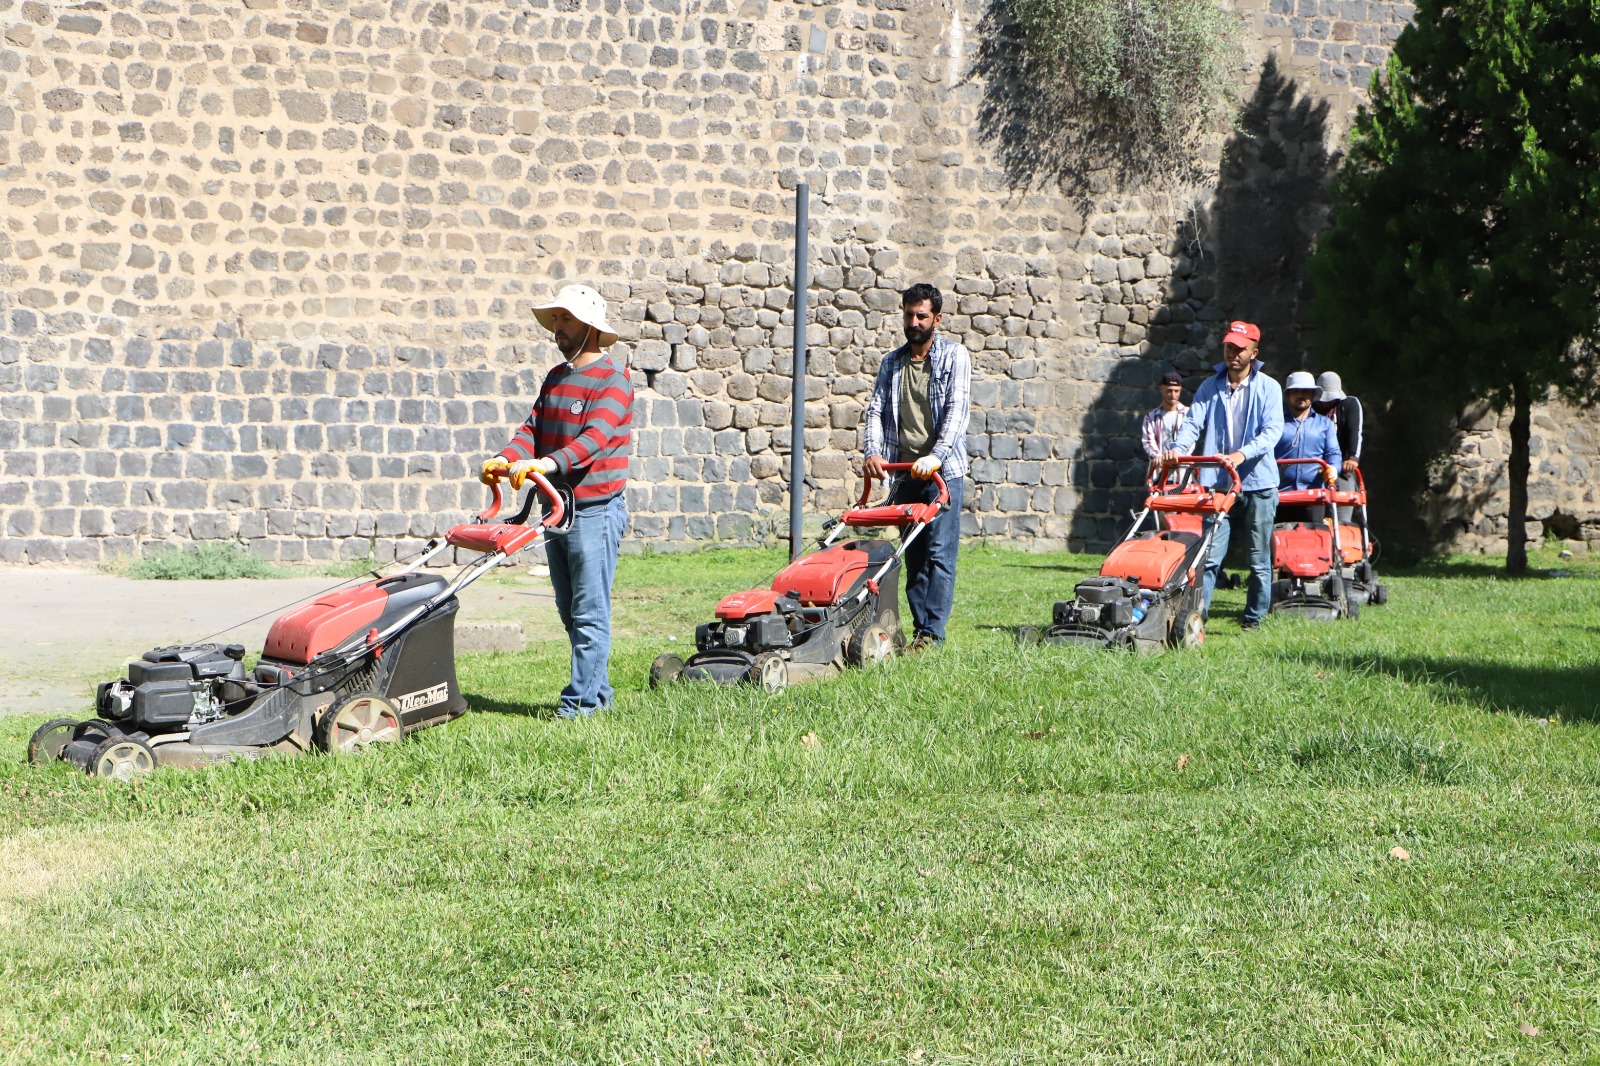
{"x":1457,"y":493}
{"x":1111,"y":467}
{"x":1242,"y":256}
{"x":1270,"y":206}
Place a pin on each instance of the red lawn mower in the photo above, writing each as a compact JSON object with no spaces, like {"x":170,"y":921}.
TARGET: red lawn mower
{"x":357,"y":666}
{"x":1149,"y":593}
{"x":1307,"y":582}
{"x":1359,"y":549}
{"x":837,"y":607}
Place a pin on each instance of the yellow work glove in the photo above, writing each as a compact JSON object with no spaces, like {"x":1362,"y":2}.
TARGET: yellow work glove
{"x":494,"y":468}
{"x":521,"y":470}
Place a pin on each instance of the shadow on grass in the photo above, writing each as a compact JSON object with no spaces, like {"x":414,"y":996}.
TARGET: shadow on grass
{"x":1534,"y":692}
{"x":1460,"y":568}
{"x":1373,"y":757}
{"x":529,"y":709}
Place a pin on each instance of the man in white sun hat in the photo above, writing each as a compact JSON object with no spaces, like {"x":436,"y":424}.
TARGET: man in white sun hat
{"x":1306,"y":435}
{"x":1345,"y":411}
{"x":579,"y":436}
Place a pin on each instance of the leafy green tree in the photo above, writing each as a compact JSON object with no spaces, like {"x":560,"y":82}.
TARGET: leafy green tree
{"x":1464,"y":258}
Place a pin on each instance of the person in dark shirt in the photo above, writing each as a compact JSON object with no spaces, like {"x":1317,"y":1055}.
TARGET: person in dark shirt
{"x":1345,"y":411}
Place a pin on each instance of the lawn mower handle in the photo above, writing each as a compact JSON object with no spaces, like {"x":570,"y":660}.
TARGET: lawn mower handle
{"x":1158,"y":476}
{"x":541,"y":485}
{"x":1329,"y":476}
{"x":867,"y":478}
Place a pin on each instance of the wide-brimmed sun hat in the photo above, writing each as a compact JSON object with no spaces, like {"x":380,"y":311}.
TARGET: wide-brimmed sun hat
{"x":1301,"y":381}
{"x":1332,"y":387}
{"x":582,"y":303}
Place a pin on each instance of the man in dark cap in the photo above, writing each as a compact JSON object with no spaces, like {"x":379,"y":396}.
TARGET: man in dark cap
{"x":1160,"y":427}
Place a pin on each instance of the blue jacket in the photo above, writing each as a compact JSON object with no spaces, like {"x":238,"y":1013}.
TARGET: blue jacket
{"x":1312,"y":437}
{"x":1207,"y":423}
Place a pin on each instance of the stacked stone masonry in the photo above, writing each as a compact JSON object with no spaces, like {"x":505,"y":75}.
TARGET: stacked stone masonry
{"x":267,"y":268}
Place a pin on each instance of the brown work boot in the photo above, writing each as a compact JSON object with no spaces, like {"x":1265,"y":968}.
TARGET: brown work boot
{"x":921,"y":643}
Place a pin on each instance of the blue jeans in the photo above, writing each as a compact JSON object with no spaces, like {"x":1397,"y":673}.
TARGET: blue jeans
{"x":583,"y":565}
{"x":930,"y":561}
{"x":1253,"y":511}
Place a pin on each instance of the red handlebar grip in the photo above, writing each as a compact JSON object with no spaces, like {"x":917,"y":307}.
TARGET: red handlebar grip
{"x":1330,"y":476}
{"x":558,"y":510}
{"x":1198,"y":460}
{"x":494,"y":502}
{"x":867,"y":479}
{"x":541,"y":485}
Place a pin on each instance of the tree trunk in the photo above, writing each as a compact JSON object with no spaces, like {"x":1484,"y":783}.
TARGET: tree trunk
{"x":1517,"y":472}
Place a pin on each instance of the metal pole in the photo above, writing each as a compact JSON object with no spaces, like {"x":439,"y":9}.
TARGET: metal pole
{"x":797,"y":392}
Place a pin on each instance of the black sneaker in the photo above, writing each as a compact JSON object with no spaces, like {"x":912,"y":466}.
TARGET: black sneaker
{"x":1249,"y":625}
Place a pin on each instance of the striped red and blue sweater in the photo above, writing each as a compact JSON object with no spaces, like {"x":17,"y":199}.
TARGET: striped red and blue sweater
{"x":583,"y":419}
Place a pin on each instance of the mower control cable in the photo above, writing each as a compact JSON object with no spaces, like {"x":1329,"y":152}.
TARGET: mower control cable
{"x":322,"y":592}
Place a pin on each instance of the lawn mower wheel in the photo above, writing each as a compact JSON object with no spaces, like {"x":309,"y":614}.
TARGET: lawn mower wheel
{"x":48,"y":740}
{"x":356,"y":723}
{"x":122,"y":759}
{"x":666,"y":669}
{"x":869,"y":646}
{"x":770,"y":672}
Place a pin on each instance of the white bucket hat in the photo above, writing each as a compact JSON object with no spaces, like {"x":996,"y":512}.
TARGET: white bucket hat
{"x":1332,"y":387}
{"x":1301,"y":379}
{"x":583,"y":304}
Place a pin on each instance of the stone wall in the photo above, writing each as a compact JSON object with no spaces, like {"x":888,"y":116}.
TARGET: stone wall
{"x":1469,"y":495}
{"x":267,"y":268}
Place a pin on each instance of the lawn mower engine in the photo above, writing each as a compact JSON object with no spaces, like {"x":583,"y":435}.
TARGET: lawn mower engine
{"x":822,"y":612}
{"x":175,"y":687}
{"x":1111,"y":612}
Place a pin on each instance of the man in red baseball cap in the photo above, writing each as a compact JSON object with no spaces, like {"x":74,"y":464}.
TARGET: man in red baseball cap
{"x":1237,"y":413}
{"x":1241,"y":333}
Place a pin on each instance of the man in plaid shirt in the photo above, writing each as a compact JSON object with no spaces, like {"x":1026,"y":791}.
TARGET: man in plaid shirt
{"x":921,"y":404}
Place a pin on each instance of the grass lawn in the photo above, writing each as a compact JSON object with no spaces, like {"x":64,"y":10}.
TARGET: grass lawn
{"x":1364,"y":841}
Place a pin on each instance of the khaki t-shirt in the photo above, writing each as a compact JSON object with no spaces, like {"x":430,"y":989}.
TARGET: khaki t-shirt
{"x":916,"y":418}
